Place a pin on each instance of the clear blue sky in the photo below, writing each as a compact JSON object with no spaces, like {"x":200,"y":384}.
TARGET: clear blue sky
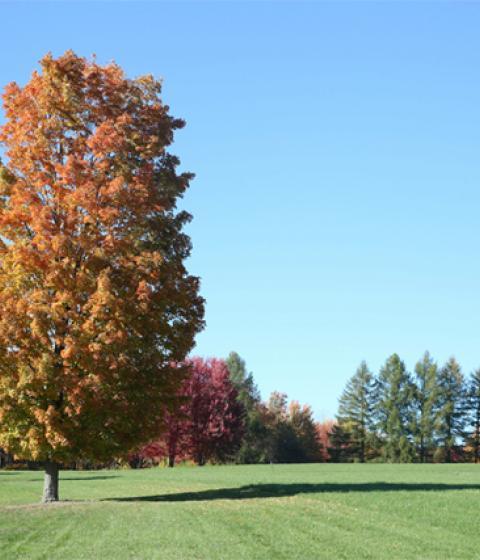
{"x":336,"y":147}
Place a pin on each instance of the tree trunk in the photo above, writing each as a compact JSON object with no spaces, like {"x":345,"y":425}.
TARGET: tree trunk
{"x":50,"y":483}
{"x":172,"y":451}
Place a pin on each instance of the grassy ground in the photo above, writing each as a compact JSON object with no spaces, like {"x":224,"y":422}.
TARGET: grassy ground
{"x":246,"y":512}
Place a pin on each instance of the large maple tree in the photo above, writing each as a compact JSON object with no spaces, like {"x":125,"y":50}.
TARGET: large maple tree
{"x":95,"y":301}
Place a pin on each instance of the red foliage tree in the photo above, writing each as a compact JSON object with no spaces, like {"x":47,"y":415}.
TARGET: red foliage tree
{"x":174,"y":443}
{"x":215,"y":416}
{"x":208,"y":424}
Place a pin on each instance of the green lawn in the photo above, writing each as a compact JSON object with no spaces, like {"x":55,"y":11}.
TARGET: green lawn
{"x":269,"y":512}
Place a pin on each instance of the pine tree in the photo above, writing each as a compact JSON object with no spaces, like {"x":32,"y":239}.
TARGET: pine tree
{"x":340,"y":444}
{"x":394,"y":410}
{"x":451,"y":408}
{"x":473,"y":440}
{"x":355,"y":409}
{"x":254,"y":448}
{"x":426,"y":372}
{"x":247,"y":390}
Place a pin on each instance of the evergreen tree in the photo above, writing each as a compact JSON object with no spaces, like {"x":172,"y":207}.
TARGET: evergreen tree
{"x":473,"y":440}
{"x":394,"y":411}
{"x":355,"y":409}
{"x":340,"y":444}
{"x":254,"y":447}
{"x":426,"y":373}
{"x":248,"y":392}
{"x":451,"y":408}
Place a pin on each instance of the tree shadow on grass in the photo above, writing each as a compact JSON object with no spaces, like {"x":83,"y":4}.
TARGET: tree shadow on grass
{"x":79,"y":478}
{"x":284,"y":490}
{"x":88,"y":478}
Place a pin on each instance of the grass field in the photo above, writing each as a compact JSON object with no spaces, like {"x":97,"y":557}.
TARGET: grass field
{"x":246,"y":512}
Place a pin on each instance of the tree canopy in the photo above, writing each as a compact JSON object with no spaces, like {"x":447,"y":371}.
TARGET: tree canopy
{"x":96,"y":303}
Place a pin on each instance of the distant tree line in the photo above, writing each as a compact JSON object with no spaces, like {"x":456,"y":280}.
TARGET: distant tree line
{"x":430,"y":415}
{"x":220,"y":418}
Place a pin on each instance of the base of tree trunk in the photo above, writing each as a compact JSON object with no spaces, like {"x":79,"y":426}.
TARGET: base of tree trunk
{"x":50,"y":483}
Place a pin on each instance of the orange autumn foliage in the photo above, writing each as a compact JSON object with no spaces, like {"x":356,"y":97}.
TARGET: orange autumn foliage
{"x":95,"y":300}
